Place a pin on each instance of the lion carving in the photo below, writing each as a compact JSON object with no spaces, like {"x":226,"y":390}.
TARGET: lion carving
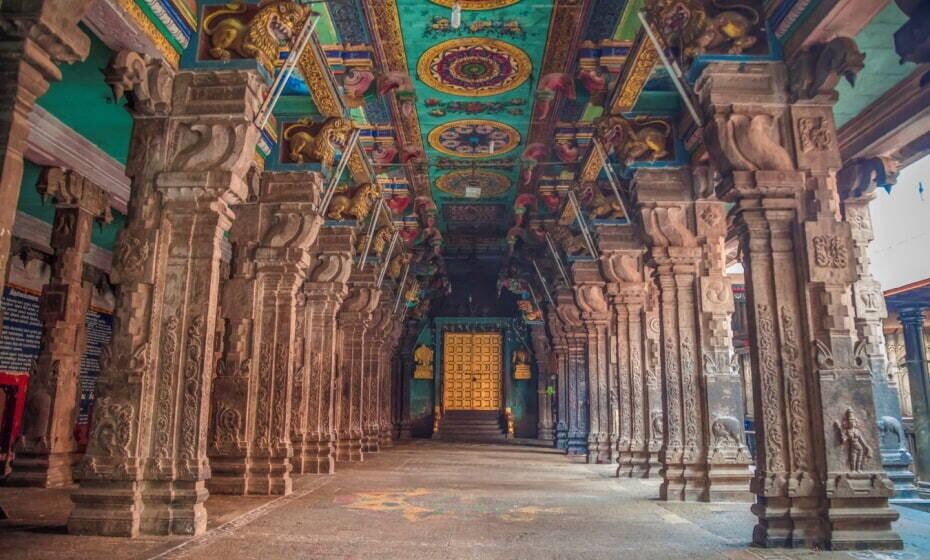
{"x":357,"y":206}
{"x":275,"y":23}
{"x":648,"y":142}
{"x":332,"y":137}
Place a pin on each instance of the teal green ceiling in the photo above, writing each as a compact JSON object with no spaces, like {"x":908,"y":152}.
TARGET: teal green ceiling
{"x":524,"y":26}
{"x":882,"y":69}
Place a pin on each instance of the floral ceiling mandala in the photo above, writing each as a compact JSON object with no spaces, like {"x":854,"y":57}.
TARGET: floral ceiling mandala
{"x":474,"y":66}
{"x":474,"y":138}
{"x":488,"y":183}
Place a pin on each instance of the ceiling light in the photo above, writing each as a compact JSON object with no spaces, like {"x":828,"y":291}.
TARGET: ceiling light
{"x":456,"y":21}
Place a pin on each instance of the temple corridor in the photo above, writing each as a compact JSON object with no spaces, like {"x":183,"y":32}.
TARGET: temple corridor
{"x":428,"y":499}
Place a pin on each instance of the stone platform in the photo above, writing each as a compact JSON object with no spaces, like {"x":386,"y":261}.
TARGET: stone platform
{"x":440,"y":500}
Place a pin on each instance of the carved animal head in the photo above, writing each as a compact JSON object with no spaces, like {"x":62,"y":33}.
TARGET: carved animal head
{"x":277,"y":22}
{"x":336,"y":132}
{"x":612,"y":131}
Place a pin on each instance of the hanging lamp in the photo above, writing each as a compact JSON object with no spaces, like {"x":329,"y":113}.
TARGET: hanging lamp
{"x":456,"y":20}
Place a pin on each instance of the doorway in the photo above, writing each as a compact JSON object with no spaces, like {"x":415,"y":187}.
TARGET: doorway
{"x":472,"y":371}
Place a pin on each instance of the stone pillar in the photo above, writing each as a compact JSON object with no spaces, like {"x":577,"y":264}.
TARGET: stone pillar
{"x":652,"y":344}
{"x":355,"y":317}
{"x":819,"y":480}
{"x":541,"y":351}
{"x":45,"y":450}
{"x":728,"y":456}
{"x":325,"y":289}
{"x":388,"y":386}
{"x":595,"y":316}
{"x":251,"y":437}
{"x":407,"y":347}
{"x":918,"y":374}
{"x":372,"y":383}
{"x":621,"y":263}
{"x":576,"y":378}
{"x":857,"y":182}
{"x":664,"y":199}
{"x":560,"y":374}
{"x":146,"y":462}
{"x":35,"y":37}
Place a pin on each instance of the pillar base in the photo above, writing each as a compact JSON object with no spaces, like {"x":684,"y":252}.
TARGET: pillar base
{"x":174,"y":508}
{"x":386,"y":438}
{"x":317,"y":456}
{"x":624,"y":464}
{"x":270,"y":476}
{"x":42,"y":470}
{"x":370,"y":442}
{"x":862,"y":523}
{"x":653,"y":465}
{"x":106,"y":508}
{"x":576,"y":444}
{"x":683,"y":483}
{"x":228,"y":475}
{"x":787,"y":522}
{"x":349,"y":449}
{"x":547,"y":434}
{"x":729,"y":483}
{"x":639,"y":464}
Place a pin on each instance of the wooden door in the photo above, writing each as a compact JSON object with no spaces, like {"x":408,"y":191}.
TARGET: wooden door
{"x":472,"y":371}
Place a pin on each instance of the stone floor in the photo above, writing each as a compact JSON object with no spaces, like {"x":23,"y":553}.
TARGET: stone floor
{"x":439,"y":501}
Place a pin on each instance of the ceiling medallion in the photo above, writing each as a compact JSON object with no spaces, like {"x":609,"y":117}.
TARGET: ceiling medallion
{"x":474,"y":138}
{"x":487,"y":183}
{"x":474,"y":66}
{"x":477,"y":4}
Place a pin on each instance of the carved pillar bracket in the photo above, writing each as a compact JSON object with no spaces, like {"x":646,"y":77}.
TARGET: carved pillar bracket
{"x":44,"y":451}
{"x":325,"y":289}
{"x":190,"y":159}
{"x":35,"y":38}
{"x":258,"y":394}
{"x":601,"y":381}
{"x":819,"y":478}
{"x":622,"y":266}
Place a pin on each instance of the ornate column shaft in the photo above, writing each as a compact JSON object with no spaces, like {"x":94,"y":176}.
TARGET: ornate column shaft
{"x":355,"y":317}
{"x":408,"y":345}
{"x":35,"y":37}
{"x":325,"y":289}
{"x":388,"y":385}
{"x":652,"y":357}
{"x":857,"y":182}
{"x":251,"y":436}
{"x":595,"y":315}
{"x":560,"y":373}
{"x":667,"y":212}
{"x":44,"y":451}
{"x":819,"y":479}
{"x":372,"y":384}
{"x":918,"y":373}
{"x":576,"y":382}
{"x":545,"y":427}
{"x":728,"y":456}
{"x":622,"y":265}
{"x":146,"y":462}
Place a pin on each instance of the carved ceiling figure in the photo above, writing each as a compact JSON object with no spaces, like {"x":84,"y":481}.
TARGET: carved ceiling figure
{"x":634,"y":139}
{"x":276,"y":23}
{"x":322,"y":146}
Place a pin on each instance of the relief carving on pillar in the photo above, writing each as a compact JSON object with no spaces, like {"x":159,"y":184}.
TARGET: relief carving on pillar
{"x":849,"y":434}
{"x":829,"y":245}
{"x":748,"y":142}
{"x":726,"y":444}
{"x":771,"y":391}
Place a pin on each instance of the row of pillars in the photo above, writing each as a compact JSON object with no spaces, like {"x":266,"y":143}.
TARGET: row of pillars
{"x":209,"y":384}
{"x":642,"y":340}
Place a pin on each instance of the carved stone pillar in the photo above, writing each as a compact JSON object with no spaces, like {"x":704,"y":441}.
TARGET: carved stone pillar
{"x":541,"y":350}
{"x":44,"y":451}
{"x":621,"y":262}
{"x":372,"y":383}
{"x":560,"y":374}
{"x":668,"y":221}
{"x":728,"y":456}
{"x":819,"y":478}
{"x":252,"y":414}
{"x":595,"y":316}
{"x":576,"y":379}
{"x":652,"y":356}
{"x":324,"y":290}
{"x":857,"y":183}
{"x":918,"y":374}
{"x":388,"y":386}
{"x":35,"y":38}
{"x":146,"y":462}
{"x":355,"y":317}
{"x":407,"y":346}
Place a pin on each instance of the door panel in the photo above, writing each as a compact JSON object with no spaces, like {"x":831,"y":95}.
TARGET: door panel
{"x":472,"y":371}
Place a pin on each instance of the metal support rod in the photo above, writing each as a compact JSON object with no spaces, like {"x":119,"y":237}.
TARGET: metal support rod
{"x":334,"y":181}
{"x":557,"y":259}
{"x":371,"y":232}
{"x":611,"y":176}
{"x":542,"y":282}
{"x":387,"y":260}
{"x":585,"y":232}
{"x":675,"y":76}
{"x":280,"y":81}
{"x":400,"y":287}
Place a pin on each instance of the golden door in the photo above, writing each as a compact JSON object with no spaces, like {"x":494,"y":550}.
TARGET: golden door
{"x":471,"y":369}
